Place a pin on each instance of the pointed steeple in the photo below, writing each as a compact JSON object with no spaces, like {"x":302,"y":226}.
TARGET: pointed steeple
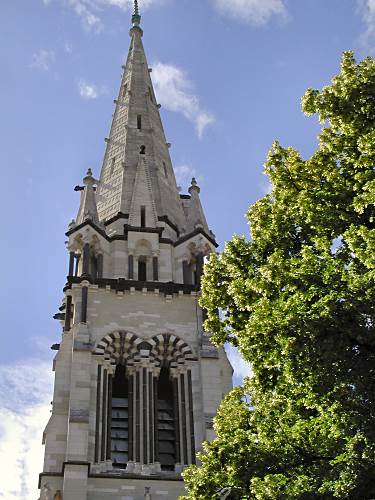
{"x":137,"y":126}
{"x":88,"y":209}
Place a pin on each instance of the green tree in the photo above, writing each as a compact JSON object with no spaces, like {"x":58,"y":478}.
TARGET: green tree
{"x":298,"y":300}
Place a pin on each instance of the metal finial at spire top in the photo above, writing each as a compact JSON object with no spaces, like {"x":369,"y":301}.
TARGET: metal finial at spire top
{"x":136,"y":18}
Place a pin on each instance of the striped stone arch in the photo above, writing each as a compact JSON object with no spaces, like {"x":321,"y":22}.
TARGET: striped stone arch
{"x":171,"y":351}
{"x":161,"y":350}
{"x":117,"y":346}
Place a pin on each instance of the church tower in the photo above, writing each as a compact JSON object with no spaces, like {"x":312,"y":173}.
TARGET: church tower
{"x":137,"y":381}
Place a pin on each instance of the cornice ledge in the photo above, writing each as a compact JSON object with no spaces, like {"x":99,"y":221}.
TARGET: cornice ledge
{"x":197,"y":231}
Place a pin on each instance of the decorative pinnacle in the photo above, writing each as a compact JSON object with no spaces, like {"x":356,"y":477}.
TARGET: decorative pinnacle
{"x":194,"y":186}
{"x":136,"y":18}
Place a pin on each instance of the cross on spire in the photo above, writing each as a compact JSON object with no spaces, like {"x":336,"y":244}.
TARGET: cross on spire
{"x":136,"y":18}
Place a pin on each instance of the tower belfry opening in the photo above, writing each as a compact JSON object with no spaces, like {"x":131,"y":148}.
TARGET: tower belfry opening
{"x":120,"y":418}
{"x":137,"y":379}
{"x":166,"y":428}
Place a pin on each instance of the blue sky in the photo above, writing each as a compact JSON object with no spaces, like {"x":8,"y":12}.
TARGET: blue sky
{"x":229,"y":76}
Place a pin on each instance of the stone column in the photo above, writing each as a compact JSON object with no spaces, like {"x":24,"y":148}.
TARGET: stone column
{"x":131,"y":267}
{"x":103,"y":446}
{"x":100,"y":265}
{"x":191,"y":416}
{"x":71,"y":263}
{"x":155,"y":416}
{"x":184,"y":418}
{"x":86,"y":260}
{"x":68,"y":312}
{"x":77,"y":259}
{"x":176,"y":414}
{"x":142,"y":445}
{"x":131,"y":379}
{"x":97,"y":413}
{"x":109,"y":418}
{"x":84,"y":301}
{"x":155,"y":268}
{"x":182,"y":399}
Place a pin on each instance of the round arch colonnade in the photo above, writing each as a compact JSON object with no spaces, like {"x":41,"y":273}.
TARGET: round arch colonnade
{"x":144,"y":402}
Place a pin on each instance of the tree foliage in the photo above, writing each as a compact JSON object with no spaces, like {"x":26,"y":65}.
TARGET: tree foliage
{"x":299,"y":302}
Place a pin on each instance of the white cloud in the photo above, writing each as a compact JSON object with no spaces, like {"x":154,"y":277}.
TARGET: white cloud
{"x":25,"y":392}
{"x":367,"y":8}
{"x":184,"y":173}
{"x":175,"y":91}
{"x":85,"y":11}
{"x":43,"y":59}
{"x":90,"y":91}
{"x":241,"y":367}
{"x":251,"y":11}
{"x":202,"y":121}
{"x":89,"y":11}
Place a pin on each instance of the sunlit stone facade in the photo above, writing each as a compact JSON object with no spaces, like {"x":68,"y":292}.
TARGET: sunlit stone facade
{"x":137,"y":381}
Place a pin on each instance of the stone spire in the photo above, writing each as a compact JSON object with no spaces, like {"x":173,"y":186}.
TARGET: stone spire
{"x":196,"y":217}
{"x":137,"y":130}
{"x":88,"y":209}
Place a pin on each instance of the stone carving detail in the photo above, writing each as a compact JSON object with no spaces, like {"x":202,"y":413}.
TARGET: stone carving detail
{"x":120,"y":346}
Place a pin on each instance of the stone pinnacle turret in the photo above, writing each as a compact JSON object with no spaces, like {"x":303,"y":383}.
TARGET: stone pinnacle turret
{"x":88,"y":209}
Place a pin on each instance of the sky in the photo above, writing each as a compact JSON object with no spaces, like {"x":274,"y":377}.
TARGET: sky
{"x":229,"y":75}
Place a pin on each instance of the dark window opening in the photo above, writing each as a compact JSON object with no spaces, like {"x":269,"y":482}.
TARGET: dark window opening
{"x":195,"y":277}
{"x":131,"y":267}
{"x":150,"y":94}
{"x":187,"y":273}
{"x":155,"y":269}
{"x":142,"y":270}
{"x":120,"y":419}
{"x":143,"y":216}
{"x":165,"y":169}
{"x":142,"y":150}
{"x":124,"y":90}
{"x":139,"y":122}
{"x":113,"y":164}
{"x":165,"y":422}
